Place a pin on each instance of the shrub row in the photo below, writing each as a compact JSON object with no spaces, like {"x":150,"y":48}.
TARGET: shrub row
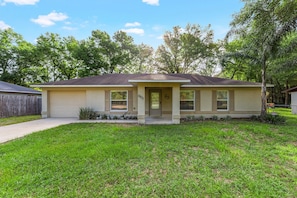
{"x":270,"y":118}
{"x":87,"y":113}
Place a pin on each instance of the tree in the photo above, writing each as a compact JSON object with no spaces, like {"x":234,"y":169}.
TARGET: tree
{"x":184,"y":50}
{"x":283,"y":67}
{"x":24,"y":73}
{"x":263,"y":24}
{"x":236,"y":63}
{"x":143,"y":60}
{"x":9,"y":41}
{"x":102,"y":54}
{"x":125,"y":53}
{"x":90,"y":56}
{"x":55,"y":57}
{"x":70,"y":65}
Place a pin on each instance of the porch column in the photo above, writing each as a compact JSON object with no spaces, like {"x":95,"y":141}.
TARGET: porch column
{"x":141,"y":104}
{"x":44,"y":111}
{"x":176,"y":104}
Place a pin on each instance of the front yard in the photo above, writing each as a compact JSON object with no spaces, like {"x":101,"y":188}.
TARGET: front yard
{"x":203,"y":159}
{"x":18,"y":119}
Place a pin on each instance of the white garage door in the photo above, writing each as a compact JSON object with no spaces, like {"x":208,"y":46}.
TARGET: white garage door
{"x":66,"y":104}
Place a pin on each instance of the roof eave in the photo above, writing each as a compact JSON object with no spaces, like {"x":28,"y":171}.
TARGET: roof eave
{"x":159,"y":81}
{"x":78,"y":86}
{"x":21,"y":92}
{"x":223,"y":86}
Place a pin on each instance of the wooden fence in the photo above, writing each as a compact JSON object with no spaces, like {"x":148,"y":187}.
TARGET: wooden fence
{"x":19,"y":105}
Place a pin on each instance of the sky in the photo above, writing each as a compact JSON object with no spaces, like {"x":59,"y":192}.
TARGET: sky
{"x":145,"y":20}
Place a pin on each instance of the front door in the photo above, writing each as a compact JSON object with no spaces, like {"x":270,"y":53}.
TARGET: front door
{"x":155,"y":102}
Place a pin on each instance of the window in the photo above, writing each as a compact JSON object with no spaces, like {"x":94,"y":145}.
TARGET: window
{"x":187,"y":100}
{"x":222,"y":100}
{"x":119,"y":100}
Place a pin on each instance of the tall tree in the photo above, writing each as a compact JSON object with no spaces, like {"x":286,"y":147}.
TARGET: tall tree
{"x":283,"y":67}
{"x":143,"y":60}
{"x":184,"y":50}
{"x":24,"y":73}
{"x":55,"y":57}
{"x":101,"y":53}
{"x":126,"y":52}
{"x":237,"y":64}
{"x":70,"y":65}
{"x":9,"y":41}
{"x":92,"y":59}
{"x":263,"y":24}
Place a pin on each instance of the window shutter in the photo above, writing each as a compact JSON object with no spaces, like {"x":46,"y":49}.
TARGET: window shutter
{"x":107,"y":100}
{"x":197,"y":100}
{"x":231,"y":100}
{"x":214,"y":100}
{"x":130,"y":100}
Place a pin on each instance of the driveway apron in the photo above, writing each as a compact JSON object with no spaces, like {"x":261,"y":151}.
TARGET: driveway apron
{"x":14,"y":131}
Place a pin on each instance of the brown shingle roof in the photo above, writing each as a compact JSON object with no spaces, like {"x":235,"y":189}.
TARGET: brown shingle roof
{"x":123,"y":80}
{"x":159,"y":77}
{"x":12,"y":88}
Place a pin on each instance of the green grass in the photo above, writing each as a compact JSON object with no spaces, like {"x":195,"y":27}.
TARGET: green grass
{"x":203,"y":159}
{"x":18,"y":119}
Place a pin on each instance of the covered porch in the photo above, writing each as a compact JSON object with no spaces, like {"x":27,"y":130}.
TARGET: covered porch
{"x":158,"y":99}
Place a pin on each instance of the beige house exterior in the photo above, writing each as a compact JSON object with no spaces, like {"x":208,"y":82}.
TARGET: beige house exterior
{"x":152,"y":96}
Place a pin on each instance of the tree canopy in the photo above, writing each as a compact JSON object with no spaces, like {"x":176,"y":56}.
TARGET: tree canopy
{"x":262,"y":26}
{"x":186,"y":50}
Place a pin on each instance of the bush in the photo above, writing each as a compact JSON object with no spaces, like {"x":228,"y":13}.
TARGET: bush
{"x":227,"y":118}
{"x":215,"y":117}
{"x":190,"y":117}
{"x":274,"y":119}
{"x":270,"y":118}
{"x":87,"y":113}
{"x":201,"y":118}
{"x":255,"y":118}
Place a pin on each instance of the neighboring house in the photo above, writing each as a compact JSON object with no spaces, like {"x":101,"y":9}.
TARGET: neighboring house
{"x":160,"y":96}
{"x":293,"y":92}
{"x":17,"y":100}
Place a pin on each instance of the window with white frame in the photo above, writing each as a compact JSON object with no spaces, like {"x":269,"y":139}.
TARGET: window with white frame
{"x":222,"y":100}
{"x":118,"y":100}
{"x":187,"y":100}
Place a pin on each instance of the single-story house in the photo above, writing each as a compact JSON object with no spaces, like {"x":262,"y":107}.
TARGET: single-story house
{"x":157,"y":96}
{"x":17,"y":100}
{"x":293,"y":92}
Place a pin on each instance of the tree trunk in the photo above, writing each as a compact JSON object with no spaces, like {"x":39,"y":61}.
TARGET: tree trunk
{"x":286,"y":93}
{"x":263,"y":90}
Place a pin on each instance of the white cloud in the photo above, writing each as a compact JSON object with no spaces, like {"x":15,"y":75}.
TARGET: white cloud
{"x":134,"y":31}
{"x":157,"y":28}
{"x":4,"y":26}
{"x":151,"y":2}
{"x":50,"y":19}
{"x":161,"y":37}
{"x":135,"y":24}
{"x":21,"y":2}
{"x":69,"y":28}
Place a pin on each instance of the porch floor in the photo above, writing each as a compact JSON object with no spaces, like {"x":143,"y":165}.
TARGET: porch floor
{"x":158,"y":120}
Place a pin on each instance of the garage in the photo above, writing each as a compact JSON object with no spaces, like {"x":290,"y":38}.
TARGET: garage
{"x":66,"y":103}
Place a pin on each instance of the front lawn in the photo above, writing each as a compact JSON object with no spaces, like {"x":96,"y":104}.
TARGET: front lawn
{"x":203,"y":159}
{"x":18,"y":119}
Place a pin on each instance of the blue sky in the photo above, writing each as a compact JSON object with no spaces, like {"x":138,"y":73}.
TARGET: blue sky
{"x":145,"y":20}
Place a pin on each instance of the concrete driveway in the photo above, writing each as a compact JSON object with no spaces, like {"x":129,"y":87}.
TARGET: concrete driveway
{"x":14,"y":131}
